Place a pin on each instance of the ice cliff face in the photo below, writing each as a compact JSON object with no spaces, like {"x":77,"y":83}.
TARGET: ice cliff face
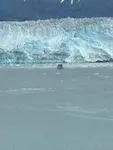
{"x":57,"y":40}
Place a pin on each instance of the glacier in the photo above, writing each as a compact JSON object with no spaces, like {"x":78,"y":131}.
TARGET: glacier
{"x":66,"y":40}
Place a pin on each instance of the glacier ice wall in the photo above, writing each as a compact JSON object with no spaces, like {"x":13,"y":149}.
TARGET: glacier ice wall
{"x":57,"y":40}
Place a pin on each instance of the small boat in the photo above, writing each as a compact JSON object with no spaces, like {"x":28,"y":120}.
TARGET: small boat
{"x":59,"y":66}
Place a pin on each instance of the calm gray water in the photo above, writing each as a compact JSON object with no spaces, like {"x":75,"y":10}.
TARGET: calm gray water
{"x":48,"y":109}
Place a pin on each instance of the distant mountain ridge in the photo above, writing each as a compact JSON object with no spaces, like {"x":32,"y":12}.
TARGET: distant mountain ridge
{"x":21,"y":10}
